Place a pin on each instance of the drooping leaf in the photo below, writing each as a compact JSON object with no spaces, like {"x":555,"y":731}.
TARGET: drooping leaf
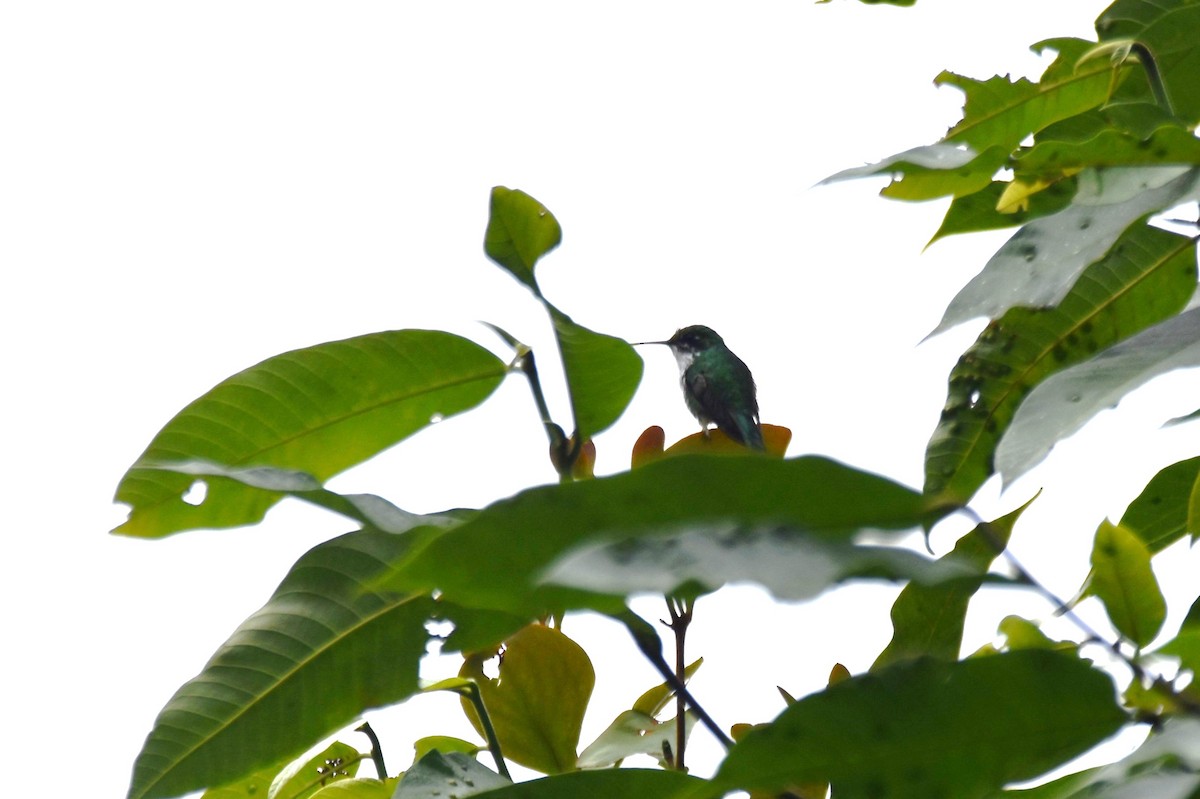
{"x":1001,"y":112}
{"x":1147,"y":276}
{"x":439,"y":776}
{"x":602,"y":373}
{"x":1171,"y":30}
{"x":932,"y":728}
{"x":934,"y":170}
{"x":304,"y":777}
{"x":519,"y":232}
{"x":1042,"y":261}
{"x":318,"y":410}
{"x":1124,"y":581}
{"x":303,"y":666}
{"x":1062,"y":404}
{"x":978,"y":211}
{"x":601,"y":784}
{"x":929,"y":619}
{"x":536,"y":704}
{"x":496,"y":559}
{"x":1160,"y":515}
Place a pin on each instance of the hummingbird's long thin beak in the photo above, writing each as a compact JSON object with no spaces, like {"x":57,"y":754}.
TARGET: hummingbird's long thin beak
{"x":640,"y":343}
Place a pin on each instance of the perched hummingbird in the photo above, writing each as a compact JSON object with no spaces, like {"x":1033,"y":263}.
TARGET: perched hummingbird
{"x":717,"y":385}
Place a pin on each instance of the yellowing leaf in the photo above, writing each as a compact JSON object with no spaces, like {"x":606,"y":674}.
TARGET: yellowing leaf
{"x":536,"y":704}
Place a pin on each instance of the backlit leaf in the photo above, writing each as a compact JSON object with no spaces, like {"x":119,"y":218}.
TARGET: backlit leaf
{"x":1125,"y":583}
{"x":439,"y":776}
{"x":318,"y":410}
{"x":536,"y":704}
{"x":1161,"y":514}
{"x":602,"y":373}
{"x":601,"y":784}
{"x":519,"y":232}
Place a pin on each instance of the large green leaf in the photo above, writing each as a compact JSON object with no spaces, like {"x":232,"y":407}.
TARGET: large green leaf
{"x":1042,"y":261}
{"x":1159,"y":515}
{"x":498,"y":558}
{"x":1147,"y":276}
{"x":322,"y":650}
{"x":1063,"y":403}
{"x":1166,"y":145}
{"x":929,"y":619}
{"x":1124,"y":581}
{"x":600,"y":784}
{"x":1171,"y":30}
{"x":319,"y":410}
{"x":931,"y":728}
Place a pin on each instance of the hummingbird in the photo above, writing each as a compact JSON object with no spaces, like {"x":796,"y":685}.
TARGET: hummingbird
{"x":717,"y":385}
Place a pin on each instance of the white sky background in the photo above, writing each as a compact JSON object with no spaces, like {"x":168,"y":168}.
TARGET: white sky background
{"x":186,"y":189}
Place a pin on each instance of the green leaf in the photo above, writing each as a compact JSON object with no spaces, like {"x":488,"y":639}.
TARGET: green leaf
{"x":304,"y":777}
{"x":931,"y":728}
{"x":496,"y":559}
{"x":358,"y":789}
{"x":929,"y":619}
{"x":1042,"y":261}
{"x":1160,"y":515}
{"x":537,"y":702}
{"x":1109,"y":148}
{"x":1063,"y":403}
{"x":1147,"y":276}
{"x":300,"y":668}
{"x":978,"y":211}
{"x":1001,"y":112}
{"x":438,"y":776}
{"x":600,"y":784}
{"x":444,"y":744}
{"x":519,"y":232}
{"x":319,"y":410}
{"x":1171,"y":30}
{"x":252,"y":786}
{"x":602,"y":373}
{"x":1125,"y":583}
{"x":1186,"y":645}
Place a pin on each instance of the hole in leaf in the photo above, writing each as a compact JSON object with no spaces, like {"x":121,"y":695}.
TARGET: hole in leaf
{"x":196,"y":493}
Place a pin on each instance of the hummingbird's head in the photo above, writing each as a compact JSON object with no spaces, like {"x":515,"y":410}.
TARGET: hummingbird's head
{"x":693,"y":340}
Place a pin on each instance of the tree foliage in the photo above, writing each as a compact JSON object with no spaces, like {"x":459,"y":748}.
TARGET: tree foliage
{"x":1085,"y":302}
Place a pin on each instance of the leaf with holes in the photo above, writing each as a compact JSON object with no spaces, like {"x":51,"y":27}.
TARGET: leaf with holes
{"x":1146,"y":277}
{"x":318,"y":410}
{"x":322,"y":650}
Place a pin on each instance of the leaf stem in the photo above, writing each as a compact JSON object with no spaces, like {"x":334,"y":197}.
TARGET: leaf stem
{"x":376,"y":749}
{"x":681,"y":616}
{"x":471,"y":691}
{"x":650,"y":645}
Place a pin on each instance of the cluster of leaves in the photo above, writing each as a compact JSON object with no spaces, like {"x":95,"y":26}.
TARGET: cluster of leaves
{"x":1085,"y":302}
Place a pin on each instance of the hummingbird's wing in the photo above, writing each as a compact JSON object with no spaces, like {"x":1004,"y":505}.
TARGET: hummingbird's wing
{"x":729,"y":403}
